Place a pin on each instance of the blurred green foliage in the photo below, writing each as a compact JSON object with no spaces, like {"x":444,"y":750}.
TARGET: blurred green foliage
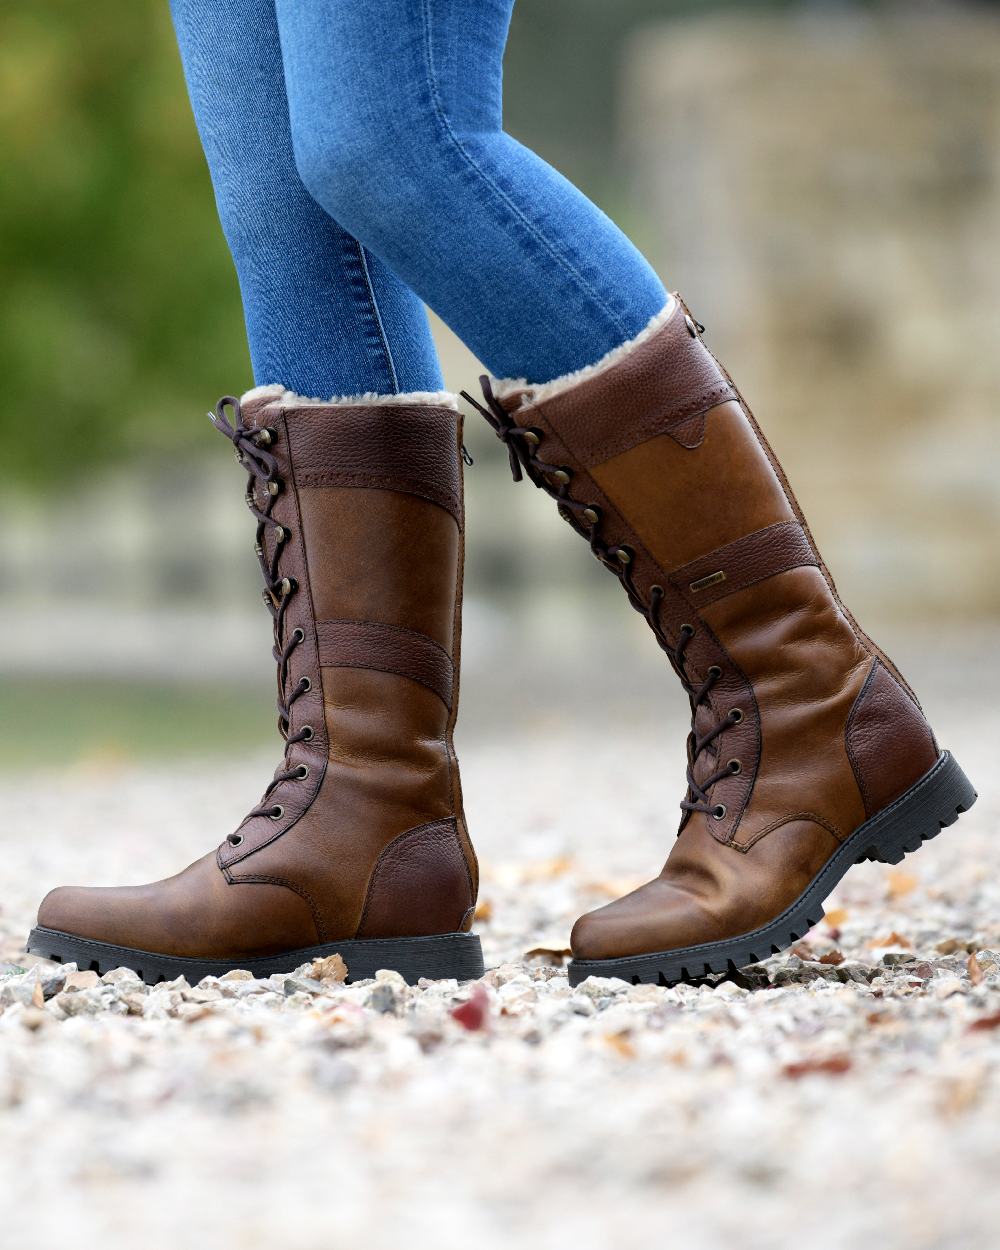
{"x":120,"y":310}
{"x":104,"y":722}
{"x":119,"y":306}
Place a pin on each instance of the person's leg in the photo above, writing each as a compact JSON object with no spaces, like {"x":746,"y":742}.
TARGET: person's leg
{"x":324,"y":317}
{"x":358,"y":846}
{"x":396,"y":120}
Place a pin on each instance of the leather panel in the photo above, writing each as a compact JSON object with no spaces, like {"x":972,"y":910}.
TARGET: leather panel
{"x":662,"y":387}
{"x":806,"y":667}
{"x":688,"y":501}
{"x":743,"y":563}
{"x":389,"y":771}
{"x":889,"y":742}
{"x":421,"y":885}
{"x":195,"y":914}
{"x":393,"y":447}
{"x":385,"y":557}
{"x":388,"y":649}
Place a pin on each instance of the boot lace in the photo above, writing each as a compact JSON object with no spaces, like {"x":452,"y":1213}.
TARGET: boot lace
{"x":250,"y":446}
{"x":522,"y":445}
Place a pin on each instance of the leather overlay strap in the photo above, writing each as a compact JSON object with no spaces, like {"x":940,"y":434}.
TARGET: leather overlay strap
{"x":666,"y":385}
{"x":387,"y":649}
{"x":410,"y":448}
{"x":760,"y":555}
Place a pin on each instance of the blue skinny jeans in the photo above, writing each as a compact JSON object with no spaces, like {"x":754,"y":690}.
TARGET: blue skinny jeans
{"x":361,"y":170}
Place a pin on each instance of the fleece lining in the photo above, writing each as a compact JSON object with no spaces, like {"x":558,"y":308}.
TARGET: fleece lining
{"x":533,"y":394}
{"x":279,"y":396}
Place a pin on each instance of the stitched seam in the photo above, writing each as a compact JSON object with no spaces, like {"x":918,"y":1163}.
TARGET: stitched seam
{"x":656,"y":427}
{"x":403,"y":630}
{"x":463,"y":152}
{"x":394,"y":672}
{"x":811,"y":817}
{"x":363,"y":258}
{"x":711,"y":559}
{"x":399,"y":631}
{"x":855,"y":711}
{"x":407,"y":486}
{"x":304,"y":894}
{"x":448,"y":823}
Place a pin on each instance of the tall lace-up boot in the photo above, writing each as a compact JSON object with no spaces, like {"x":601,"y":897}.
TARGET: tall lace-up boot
{"x":808,"y":751}
{"x":358,"y":845}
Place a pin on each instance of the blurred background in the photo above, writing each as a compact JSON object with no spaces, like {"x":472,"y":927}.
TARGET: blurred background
{"x":821,"y":180}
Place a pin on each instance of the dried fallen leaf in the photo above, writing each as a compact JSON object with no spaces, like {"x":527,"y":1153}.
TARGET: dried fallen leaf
{"x":474,"y":1013}
{"x":804,"y":951}
{"x":484,"y":910}
{"x":901,"y":883}
{"x":832,"y":957}
{"x":554,"y":958}
{"x":950,"y":946}
{"x":621,"y":1043}
{"x":893,"y":939}
{"x":545,"y":869}
{"x":836,"y":917}
{"x":961,"y":1094}
{"x":833,"y":1065}
{"x":985,"y":1023}
{"x":975,"y":969}
{"x":330,"y":968}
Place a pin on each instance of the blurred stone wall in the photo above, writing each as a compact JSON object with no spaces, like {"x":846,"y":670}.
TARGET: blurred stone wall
{"x":824,"y":187}
{"x":825,"y":191}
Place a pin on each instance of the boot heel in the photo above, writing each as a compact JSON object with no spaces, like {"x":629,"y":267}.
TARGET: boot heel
{"x":934,"y":802}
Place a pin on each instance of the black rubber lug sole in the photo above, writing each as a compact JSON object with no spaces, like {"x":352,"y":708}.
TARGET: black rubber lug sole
{"x":935,"y":801}
{"x":443,"y":956}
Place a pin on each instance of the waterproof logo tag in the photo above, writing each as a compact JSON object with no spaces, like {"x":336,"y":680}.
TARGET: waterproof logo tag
{"x":713,"y":579}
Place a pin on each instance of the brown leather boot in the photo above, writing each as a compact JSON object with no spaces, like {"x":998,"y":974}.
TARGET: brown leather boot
{"x":359,"y":844}
{"x":808,"y":750}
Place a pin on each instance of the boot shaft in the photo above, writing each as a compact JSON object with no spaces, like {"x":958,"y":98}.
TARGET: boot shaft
{"x":364,"y":555}
{"x":655,"y":458}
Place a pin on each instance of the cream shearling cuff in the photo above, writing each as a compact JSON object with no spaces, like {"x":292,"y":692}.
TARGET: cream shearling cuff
{"x":279,"y":396}
{"x":503,"y":387}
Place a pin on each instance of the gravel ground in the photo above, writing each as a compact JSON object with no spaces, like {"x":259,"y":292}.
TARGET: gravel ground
{"x":843,"y":1095}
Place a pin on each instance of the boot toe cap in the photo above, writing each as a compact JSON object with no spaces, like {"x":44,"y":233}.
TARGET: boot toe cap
{"x":656,"y":917}
{"x":69,"y":909}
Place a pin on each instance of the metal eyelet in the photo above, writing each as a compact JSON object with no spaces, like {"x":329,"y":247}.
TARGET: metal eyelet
{"x":308,"y":733}
{"x":719,"y":811}
{"x":591,"y":515}
{"x":687,"y":629}
{"x":286,"y":586}
{"x":265,"y":437}
{"x":281,"y":535}
{"x":715,"y":671}
{"x":273,"y":487}
{"x":623,"y":555}
{"x":302,"y":772}
{"x":735,"y":715}
{"x":299,"y":634}
{"x":735,"y":767}
{"x":305,"y":685}
{"x":533,"y":437}
{"x":235,"y":839}
{"x":276,"y":812}
{"x":561,"y":476}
